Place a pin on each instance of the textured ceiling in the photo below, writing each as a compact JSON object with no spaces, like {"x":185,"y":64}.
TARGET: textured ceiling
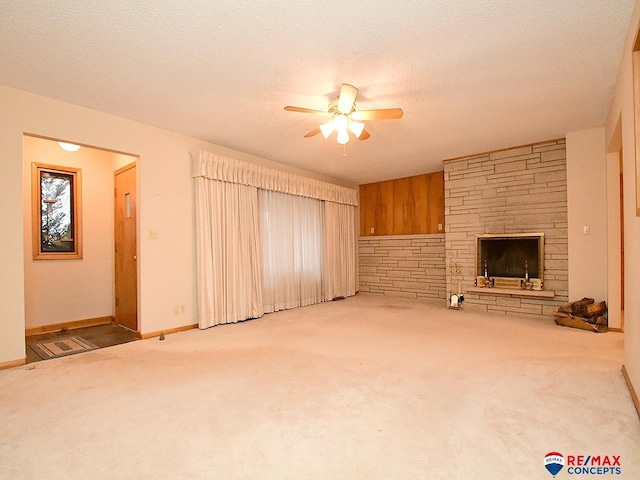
{"x":470,"y":75}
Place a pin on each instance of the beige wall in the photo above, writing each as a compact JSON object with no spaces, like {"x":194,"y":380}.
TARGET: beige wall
{"x":11,"y":254}
{"x":622,"y":109}
{"x":120,"y":160}
{"x":587,"y":207}
{"x":67,"y":290}
{"x":165,"y":201}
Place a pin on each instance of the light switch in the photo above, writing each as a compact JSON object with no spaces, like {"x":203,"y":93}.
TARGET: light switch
{"x":439,"y":226}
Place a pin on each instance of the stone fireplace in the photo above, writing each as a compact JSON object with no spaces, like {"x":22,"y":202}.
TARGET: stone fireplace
{"x":507,"y":195}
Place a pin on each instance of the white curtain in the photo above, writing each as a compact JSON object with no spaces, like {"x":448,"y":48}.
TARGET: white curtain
{"x":226,"y":169}
{"x":294,"y":247}
{"x":340,"y":259}
{"x":292,"y":240}
{"x":227,"y":252}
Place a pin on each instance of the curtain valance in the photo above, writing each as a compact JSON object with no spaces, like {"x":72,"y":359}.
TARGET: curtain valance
{"x":218,"y":167}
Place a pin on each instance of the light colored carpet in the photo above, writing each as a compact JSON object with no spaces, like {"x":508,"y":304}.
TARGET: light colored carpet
{"x":366,"y":388}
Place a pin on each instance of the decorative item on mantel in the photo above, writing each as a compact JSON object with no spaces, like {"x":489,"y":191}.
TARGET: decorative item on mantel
{"x":526,"y":285}
{"x":455,"y":300}
{"x":486,"y":281}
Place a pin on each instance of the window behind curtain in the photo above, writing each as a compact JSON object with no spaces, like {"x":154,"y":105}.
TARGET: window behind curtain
{"x":292,"y":237}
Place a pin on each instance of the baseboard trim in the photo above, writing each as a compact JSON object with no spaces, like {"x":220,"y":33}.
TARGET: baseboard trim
{"x":169,"y":331}
{"x":617,"y":330}
{"x":634,"y":395}
{"x":13,"y":363}
{"x":59,"y":327}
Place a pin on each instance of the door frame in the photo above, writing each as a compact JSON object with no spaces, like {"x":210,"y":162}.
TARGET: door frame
{"x":615,"y":226}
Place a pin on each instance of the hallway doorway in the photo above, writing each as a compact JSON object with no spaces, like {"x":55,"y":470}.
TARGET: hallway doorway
{"x":615,"y":231}
{"x":621,"y":215}
{"x":66,"y":294}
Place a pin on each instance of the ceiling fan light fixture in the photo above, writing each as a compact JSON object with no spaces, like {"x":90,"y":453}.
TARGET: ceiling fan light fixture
{"x":343,"y":136}
{"x":340,"y":122}
{"x":346,"y":98}
{"x":326,"y":129}
{"x":356,"y":128}
{"x":69,"y":147}
{"x":344,"y":117}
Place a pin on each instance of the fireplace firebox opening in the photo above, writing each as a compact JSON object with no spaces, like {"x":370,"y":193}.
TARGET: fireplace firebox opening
{"x":510,"y":260}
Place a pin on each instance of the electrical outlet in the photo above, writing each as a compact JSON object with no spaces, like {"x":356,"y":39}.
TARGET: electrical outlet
{"x":373,"y":230}
{"x":176,"y":310}
{"x":439,"y":226}
{"x":585,"y":229}
{"x":153,"y":234}
{"x":182,"y":309}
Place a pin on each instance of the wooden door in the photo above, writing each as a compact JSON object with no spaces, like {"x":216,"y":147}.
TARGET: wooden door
{"x":126,"y":271}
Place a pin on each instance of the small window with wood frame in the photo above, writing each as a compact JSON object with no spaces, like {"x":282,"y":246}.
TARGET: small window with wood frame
{"x":56,"y":212}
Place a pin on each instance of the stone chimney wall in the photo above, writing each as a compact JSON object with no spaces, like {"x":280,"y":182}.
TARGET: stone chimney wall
{"x":521,"y":190}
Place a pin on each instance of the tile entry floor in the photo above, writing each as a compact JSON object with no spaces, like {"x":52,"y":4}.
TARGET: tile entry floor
{"x":101,"y":336}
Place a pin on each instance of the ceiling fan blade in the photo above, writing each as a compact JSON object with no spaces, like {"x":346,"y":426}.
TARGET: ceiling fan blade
{"x":347,"y":98}
{"x":305,"y":110}
{"x":378,"y":114}
{"x":364,"y":135}
{"x":313,"y":132}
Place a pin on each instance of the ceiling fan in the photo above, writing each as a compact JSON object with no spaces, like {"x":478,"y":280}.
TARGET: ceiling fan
{"x":345,"y":117}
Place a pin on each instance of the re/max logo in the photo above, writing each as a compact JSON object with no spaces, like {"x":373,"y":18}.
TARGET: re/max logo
{"x":595,"y":460}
